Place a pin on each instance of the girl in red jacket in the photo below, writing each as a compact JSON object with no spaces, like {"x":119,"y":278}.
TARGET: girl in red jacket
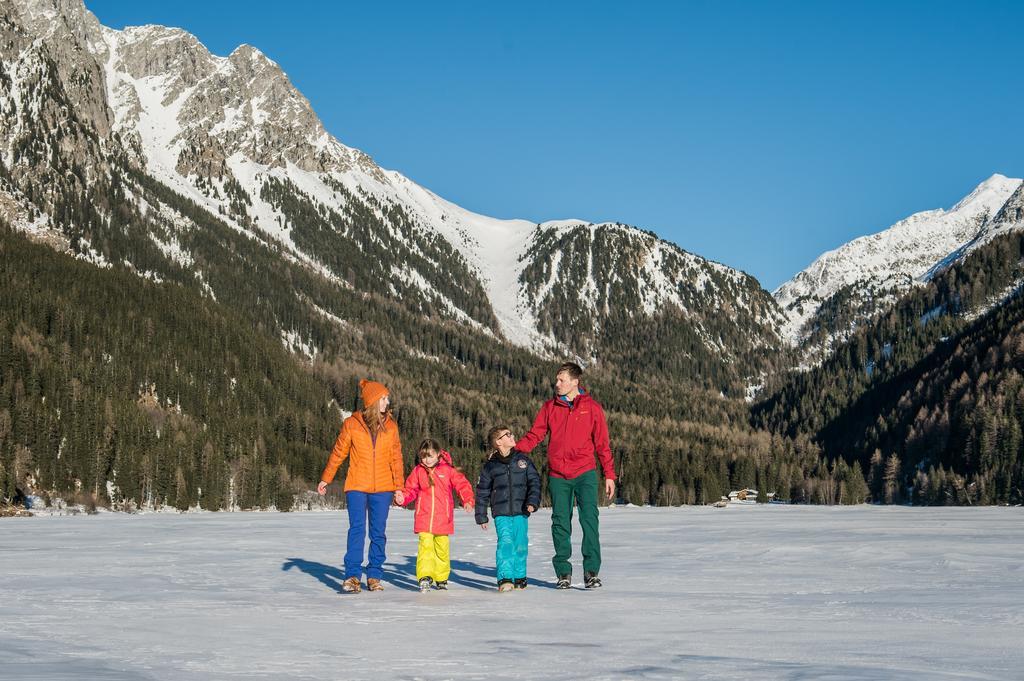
{"x":430,"y":485}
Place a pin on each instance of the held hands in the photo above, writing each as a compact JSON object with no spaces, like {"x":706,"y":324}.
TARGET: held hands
{"x":321,"y":489}
{"x":530,"y":509}
{"x":399,"y":497}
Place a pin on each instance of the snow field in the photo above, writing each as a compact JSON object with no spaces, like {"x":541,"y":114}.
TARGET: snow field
{"x":690,"y":593}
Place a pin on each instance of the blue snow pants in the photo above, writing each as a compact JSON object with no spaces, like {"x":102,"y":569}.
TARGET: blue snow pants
{"x":513,"y":543}
{"x":360,"y":506}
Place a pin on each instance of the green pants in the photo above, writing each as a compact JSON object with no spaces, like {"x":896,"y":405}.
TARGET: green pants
{"x":582,"y":492}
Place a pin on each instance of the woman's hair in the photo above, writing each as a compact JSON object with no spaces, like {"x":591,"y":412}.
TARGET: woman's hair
{"x":492,"y":440}
{"x":373,"y":418}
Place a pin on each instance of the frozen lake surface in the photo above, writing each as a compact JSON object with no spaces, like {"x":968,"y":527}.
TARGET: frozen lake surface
{"x":690,"y":593}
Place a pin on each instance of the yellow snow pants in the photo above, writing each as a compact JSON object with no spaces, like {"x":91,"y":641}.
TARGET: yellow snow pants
{"x":433,"y":559}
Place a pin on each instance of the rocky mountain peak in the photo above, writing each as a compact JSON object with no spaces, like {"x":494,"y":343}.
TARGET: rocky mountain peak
{"x":246,"y":56}
{"x":57,"y":20}
{"x":217,"y":106}
{"x":157,"y":51}
{"x":64,"y":33}
{"x":988,"y":196}
{"x":1012,"y":212}
{"x":870,"y":271}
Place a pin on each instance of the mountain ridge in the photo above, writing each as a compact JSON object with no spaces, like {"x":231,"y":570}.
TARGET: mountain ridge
{"x":870,"y":272}
{"x":230,"y":132}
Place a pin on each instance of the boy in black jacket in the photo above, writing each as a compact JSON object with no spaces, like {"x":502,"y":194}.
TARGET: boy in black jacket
{"x":510,"y":484}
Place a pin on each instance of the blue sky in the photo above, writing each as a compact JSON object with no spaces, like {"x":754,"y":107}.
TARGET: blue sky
{"x":754,"y":134}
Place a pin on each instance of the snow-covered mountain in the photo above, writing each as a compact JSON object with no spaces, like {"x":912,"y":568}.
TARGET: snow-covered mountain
{"x":233,"y":136}
{"x":842,"y":287}
{"x":89,"y":106}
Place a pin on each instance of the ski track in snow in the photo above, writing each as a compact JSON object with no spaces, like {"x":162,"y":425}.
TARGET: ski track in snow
{"x":864,"y":593}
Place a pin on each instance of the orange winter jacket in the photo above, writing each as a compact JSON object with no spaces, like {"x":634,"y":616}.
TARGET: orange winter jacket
{"x":375,"y":466}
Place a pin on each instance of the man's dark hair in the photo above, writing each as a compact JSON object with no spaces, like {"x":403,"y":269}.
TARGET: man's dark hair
{"x":570,"y":368}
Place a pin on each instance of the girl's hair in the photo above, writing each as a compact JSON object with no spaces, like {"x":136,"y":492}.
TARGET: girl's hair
{"x":492,"y":440}
{"x":373,"y":418}
{"x":428,"y":446}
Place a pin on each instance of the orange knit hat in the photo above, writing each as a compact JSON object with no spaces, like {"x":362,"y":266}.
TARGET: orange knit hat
{"x":372,"y":391}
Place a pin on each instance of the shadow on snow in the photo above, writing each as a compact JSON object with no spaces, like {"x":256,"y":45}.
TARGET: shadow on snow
{"x":403,"y":574}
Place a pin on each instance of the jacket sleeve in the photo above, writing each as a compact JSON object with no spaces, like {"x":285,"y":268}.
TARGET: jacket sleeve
{"x":462,"y":486}
{"x":341,"y":449}
{"x":397,"y":466}
{"x":535,"y":435}
{"x":602,"y":444}
{"x":532,"y":484}
{"x":483,"y":495}
{"x":412,"y":487}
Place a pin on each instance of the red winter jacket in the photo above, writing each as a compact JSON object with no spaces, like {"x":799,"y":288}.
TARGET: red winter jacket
{"x":577,"y":433}
{"x":435,"y":509}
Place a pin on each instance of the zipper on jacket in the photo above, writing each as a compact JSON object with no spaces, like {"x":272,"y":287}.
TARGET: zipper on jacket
{"x":432,"y":504}
{"x":508,"y":470}
{"x":373,"y":443}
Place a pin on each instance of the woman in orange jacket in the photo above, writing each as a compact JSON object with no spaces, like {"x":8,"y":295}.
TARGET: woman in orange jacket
{"x":375,"y":471}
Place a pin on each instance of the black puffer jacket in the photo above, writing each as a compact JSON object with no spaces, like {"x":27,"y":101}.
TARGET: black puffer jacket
{"x":508,"y":485}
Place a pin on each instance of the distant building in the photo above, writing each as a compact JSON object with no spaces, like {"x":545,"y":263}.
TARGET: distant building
{"x":743,"y":496}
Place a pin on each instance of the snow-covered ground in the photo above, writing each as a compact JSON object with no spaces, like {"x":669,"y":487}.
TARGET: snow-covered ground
{"x":690,"y":593}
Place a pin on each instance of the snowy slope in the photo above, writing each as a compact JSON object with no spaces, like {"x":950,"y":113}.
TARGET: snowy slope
{"x":859,"y":594}
{"x":235,"y":137}
{"x":239,"y":117}
{"x":164,"y":103}
{"x":244,"y":121}
{"x":890,"y":261}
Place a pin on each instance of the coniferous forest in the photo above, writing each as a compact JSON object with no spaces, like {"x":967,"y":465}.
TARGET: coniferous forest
{"x":927,"y":398}
{"x":122,"y":392}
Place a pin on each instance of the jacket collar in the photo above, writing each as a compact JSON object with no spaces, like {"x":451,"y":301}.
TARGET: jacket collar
{"x":561,"y":400}
{"x":505,"y":459}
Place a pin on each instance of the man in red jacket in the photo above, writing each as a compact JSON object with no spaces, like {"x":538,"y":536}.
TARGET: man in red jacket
{"x":578,"y":431}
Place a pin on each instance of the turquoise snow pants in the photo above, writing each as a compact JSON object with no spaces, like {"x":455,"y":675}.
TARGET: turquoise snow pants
{"x":513,"y":543}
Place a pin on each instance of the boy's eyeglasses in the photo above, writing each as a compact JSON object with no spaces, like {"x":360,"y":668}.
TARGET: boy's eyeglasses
{"x":508,"y":434}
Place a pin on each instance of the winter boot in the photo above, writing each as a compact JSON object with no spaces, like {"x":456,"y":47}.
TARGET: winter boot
{"x":425,"y":584}
{"x":591,"y":580}
{"x":505,"y":585}
{"x":442,"y":585}
{"x":351,"y":585}
{"x":520,"y":583}
{"x":374,"y":584}
{"x":564,"y":582}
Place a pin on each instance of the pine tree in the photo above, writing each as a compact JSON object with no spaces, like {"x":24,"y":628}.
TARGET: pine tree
{"x":891,"y":479}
